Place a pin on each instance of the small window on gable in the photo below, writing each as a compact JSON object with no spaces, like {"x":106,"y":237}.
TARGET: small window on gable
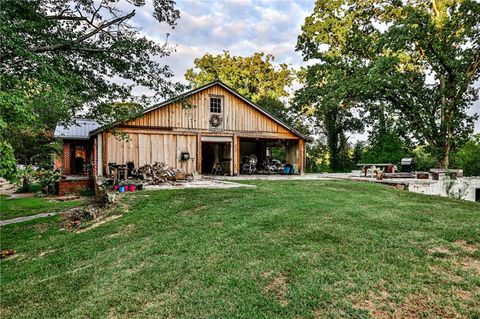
{"x":215,"y":105}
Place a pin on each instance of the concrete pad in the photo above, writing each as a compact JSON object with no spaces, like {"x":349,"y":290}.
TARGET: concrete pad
{"x":25,"y":218}
{"x":273,"y":177}
{"x":202,"y":183}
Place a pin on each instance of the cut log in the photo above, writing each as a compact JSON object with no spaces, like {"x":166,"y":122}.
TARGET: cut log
{"x":160,"y":173}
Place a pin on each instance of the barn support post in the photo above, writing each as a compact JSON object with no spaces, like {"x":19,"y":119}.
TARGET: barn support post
{"x":99,"y":159}
{"x":236,"y":155}
{"x":104,"y":152}
{"x":301,"y":157}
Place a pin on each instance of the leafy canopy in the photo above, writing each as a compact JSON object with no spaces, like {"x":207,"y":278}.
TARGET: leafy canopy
{"x":326,"y":101}
{"x":254,"y":77}
{"x":417,"y":58}
{"x":468,"y":157}
{"x":60,"y":58}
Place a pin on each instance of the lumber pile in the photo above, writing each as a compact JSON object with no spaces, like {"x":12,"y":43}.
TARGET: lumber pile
{"x":160,"y":173}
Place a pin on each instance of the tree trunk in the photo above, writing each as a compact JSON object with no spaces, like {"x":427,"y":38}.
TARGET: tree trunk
{"x":445,"y":160}
{"x":332,"y":141}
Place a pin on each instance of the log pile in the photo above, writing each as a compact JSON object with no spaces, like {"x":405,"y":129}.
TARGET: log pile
{"x":160,"y":173}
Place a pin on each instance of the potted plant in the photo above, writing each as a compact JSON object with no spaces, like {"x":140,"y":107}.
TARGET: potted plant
{"x":122,"y":187}
{"x":137,"y":183}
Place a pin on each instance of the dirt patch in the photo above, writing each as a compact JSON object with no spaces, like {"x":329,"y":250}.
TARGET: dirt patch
{"x":377,"y":304}
{"x":470,"y":248}
{"x":463,"y":295}
{"x":470,"y":263}
{"x":417,"y":305}
{"x":423,"y":306}
{"x":217,"y":224}
{"x":335,"y":189}
{"x":277,"y":286}
{"x":47,"y":252}
{"x":439,"y":252}
{"x":99,"y":222}
{"x":192,"y":211}
{"x":448,"y":274}
{"x":138,"y":267}
{"x":124,"y":232}
{"x":42,"y":227}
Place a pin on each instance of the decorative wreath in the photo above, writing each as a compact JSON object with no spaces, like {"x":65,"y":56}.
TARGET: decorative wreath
{"x":216,"y":120}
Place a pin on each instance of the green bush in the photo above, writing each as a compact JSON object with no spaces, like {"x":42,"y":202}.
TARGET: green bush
{"x":468,"y":157}
{"x":385,"y":147}
{"x":38,"y":180}
{"x":8,"y":164}
{"x":317,"y":158}
{"x":424,"y":160}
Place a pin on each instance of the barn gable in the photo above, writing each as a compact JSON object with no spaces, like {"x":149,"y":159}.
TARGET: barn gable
{"x":238,"y":114}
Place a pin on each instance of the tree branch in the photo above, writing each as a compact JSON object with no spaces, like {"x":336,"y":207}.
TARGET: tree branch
{"x":70,"y":45}
{"x":63,"y":17}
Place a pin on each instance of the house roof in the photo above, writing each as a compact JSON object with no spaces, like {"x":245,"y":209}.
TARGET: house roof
{"x":79,"y":130}
{"x":206,"y":86}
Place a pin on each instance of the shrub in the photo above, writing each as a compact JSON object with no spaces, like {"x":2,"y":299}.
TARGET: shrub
{"x":34,"y":180}
{"x":424,"y":160}
{"x":468,"y":157}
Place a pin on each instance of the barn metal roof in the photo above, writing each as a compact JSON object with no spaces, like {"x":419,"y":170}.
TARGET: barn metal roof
{"x":79,"y":130}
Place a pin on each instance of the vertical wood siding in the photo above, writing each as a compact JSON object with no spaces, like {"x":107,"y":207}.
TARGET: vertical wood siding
{"x":238,"y":115}
{"x":144,"y":148}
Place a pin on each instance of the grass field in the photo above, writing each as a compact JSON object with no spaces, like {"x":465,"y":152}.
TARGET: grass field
{"x":289,"y":249}
{"x":17,"y":207}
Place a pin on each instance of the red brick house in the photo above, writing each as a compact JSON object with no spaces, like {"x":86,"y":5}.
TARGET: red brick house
{"x":77,"y":159}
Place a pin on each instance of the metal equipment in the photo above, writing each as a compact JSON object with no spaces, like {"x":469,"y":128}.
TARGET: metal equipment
{"x":408,"y":164}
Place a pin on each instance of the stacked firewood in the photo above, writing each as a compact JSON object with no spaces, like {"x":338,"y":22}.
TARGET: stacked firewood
{"x":160,"y":173}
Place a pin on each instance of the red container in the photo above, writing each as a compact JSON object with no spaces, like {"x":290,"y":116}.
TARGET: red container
{"x":132,"y":188}
{"x":115,"y":187}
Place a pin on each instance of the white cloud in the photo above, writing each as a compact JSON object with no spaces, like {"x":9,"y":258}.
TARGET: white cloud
{"x":239,"y":26}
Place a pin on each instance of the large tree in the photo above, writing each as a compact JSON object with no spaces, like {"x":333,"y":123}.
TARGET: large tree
{"x":254,"y":77}
{"x":59,"y":58}
{"x":417,"y":58}
{"x":327,"y":102}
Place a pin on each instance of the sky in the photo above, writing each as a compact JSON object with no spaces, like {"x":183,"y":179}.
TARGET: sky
{"x":239,"y":26}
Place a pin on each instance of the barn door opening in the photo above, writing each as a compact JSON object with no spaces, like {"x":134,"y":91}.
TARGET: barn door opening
{"x":216,"y":158}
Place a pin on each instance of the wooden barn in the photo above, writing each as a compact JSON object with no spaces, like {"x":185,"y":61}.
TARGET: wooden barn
{"x":210,"y":129}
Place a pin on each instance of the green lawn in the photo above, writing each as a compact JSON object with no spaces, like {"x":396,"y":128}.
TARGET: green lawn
{"x":16,"y":207}
{"x":287,"y":249}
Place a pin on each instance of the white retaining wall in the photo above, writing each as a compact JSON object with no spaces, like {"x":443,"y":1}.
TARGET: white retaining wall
{"x":463,"y":187}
